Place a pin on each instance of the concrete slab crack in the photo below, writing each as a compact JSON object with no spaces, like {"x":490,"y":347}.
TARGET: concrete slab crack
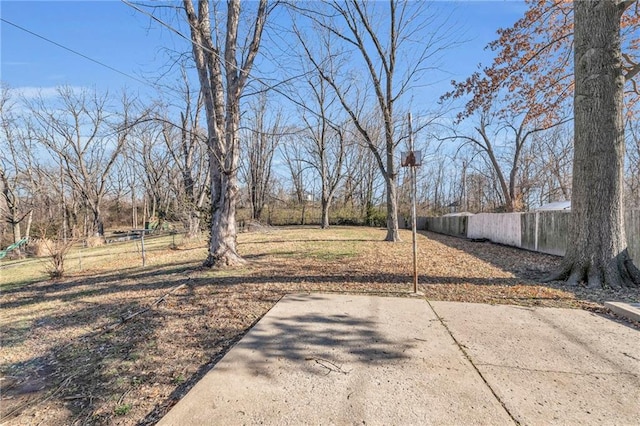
{"x":468,"y":357}
{"x":630,"y":356}
{"x":574,"y":373}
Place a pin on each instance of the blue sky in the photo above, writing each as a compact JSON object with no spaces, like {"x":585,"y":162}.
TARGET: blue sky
{"x":111,"y":32}
{"x":106,"y":31}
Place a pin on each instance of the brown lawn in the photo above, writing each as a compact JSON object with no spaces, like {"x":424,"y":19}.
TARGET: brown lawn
{"x":67,"y":357}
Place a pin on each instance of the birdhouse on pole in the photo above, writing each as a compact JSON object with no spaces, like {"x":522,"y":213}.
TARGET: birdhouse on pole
{"x":411,"y":159}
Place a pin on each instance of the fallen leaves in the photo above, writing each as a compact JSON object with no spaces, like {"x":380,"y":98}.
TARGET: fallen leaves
{"x":146,"y":363}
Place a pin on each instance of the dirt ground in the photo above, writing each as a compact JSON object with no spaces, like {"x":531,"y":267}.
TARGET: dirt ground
{"x":121,"y":345}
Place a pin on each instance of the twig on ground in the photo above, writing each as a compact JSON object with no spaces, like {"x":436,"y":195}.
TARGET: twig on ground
{"x":129,"y":317}
{"x":331,"y":367}
{"x":17,"y":410}
{"x":124,"y":395}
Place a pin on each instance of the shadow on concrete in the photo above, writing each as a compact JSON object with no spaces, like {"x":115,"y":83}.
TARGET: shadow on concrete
{"x":312,"y":339}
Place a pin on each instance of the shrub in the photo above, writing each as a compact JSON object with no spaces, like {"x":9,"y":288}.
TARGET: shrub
{"x":57,"y":252}
{"x":376,"y":217}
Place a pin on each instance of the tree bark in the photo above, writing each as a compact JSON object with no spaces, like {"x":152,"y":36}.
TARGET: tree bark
{"x":98,"y":223}
{"x":597,"y":252}
{"x":223,"y":245}
{"x":392,"y":200}
{"x":221,"y":94}
{"x":193,"y":226}
{"x":325,"y":213}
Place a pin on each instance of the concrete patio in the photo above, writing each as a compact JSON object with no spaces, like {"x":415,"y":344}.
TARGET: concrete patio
{"x":341,"y":359}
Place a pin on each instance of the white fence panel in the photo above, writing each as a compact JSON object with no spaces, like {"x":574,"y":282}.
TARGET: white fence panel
{"x":545,"y":232}
{"x":503,"y":228}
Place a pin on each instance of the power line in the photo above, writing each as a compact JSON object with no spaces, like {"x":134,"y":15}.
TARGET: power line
{"x":161,"y":22}
{"x":268,"y":86}
{"x":215,"y":53}
{"x":171,"y":28}
{"x":75,"y":52}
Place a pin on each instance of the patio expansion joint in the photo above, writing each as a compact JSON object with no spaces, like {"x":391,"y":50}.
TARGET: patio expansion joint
{"x":462,"y":349}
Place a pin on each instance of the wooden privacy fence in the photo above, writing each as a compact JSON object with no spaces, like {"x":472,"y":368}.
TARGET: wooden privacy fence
{"x":544,"y":231}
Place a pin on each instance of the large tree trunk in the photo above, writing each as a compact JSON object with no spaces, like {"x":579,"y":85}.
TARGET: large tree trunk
{"x":224,"y":191}
{"x":223,"y":117}
{"x":392,"y":212}
{"x":325,"y":204}
{"x":193,"y":225}
{"x":597,"y":250}
{"x":392,"y":199}
{"x":98,"y":222}
{"x":223,"y":245}
{"x":325,"y":198}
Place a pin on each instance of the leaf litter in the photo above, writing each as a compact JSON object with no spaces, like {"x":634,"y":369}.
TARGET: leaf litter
{"x":121,"y":347}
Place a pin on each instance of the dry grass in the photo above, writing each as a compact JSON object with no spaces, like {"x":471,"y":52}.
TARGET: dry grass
{"x":94,"y":241}
{"x":40,"y":247}
{"x":60,"y":366}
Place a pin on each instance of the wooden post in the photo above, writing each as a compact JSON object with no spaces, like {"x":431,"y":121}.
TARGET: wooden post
{"x":413,"y":211}
{"x":413,"y":159}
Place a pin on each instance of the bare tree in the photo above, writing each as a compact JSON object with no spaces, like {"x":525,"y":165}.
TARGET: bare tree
{"x":376,"y":37}
{"x":362,"y":181}
{"x":294,"y":156}
{"x":506,"y":159}
{"x":434,"y":185}
{"x":325,"y":142}
{"x":186,"y":145}
{"x":156,"y":168}
{"x":553,"y":154}
{"x":478,"y":188}
{"x":223,"y":70}
{"x":86,"y":138}
{"x":262,"y":137}
{"x":132,"y":178}
{"x":15,"y":155}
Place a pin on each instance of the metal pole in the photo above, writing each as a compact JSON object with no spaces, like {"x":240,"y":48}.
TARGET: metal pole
{"x":413,"y":213}
{"x":413,"y":229}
